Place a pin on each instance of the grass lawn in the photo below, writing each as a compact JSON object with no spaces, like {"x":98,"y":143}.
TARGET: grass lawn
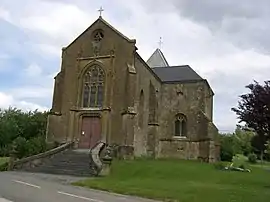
{"x":3,"y":160}
{"x":263,"y":164}
{"x":184,"y":181}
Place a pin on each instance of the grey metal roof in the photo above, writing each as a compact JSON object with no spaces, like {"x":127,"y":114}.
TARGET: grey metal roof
{"x":176,"y":73}
{"x":157,"y":59}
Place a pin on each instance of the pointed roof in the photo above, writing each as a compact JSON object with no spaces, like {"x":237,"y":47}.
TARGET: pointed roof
{"x":100,"y":19}
{"x":157,"y":59}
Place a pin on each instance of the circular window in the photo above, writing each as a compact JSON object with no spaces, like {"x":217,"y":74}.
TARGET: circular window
{"x":98,"y":35}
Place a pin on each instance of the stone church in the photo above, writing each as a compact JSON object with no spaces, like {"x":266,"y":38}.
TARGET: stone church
{"x":106,"y":91}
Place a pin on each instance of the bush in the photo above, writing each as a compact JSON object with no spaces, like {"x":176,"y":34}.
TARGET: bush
{"x":5,"y":150}
{"x":30,"y":147}
{"x":20,"y":147}
{"x":219,"y":165}
{"x":252,"y":158}
{"x":240,"y":161}
{"x":226,"y":150}
{"x":25,"y":129}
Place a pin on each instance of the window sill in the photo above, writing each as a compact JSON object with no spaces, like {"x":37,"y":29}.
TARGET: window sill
{"x":89,"y":108}
{"x":175,"y":139}
{"x":179,"y":137}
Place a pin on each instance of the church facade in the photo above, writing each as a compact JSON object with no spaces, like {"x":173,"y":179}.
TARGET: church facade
{"x":106,"y":91}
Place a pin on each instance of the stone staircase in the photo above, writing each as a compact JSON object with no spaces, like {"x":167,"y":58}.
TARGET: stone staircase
{"x":72,"y":162}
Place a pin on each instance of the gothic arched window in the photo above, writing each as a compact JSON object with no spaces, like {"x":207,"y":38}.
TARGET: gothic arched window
{"x":180,"y":126}
{"x":93,"y":87}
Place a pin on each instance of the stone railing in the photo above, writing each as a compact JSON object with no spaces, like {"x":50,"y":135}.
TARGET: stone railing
{"x":38,"y":159}
{"x":100,"y":159}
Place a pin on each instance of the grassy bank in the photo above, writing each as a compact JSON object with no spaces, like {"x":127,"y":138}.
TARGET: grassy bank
{"x":184,"y":181}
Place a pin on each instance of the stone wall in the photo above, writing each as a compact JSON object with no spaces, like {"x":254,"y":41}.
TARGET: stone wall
{"x":177,"y":148}
{"x":38,"y":159}
{"x":55,"y":128}
{"x":204,"y":150}
{"x":185,"y":98}
{"x":194,"y":100}
{"x":143,"y":130}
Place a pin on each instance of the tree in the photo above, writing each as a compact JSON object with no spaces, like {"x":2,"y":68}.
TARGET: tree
{"x":254,"y":110}
{"x":238,"y":142}
{"x":226,"y":147}
{"x":243,"y":140}
{"x":267,"y":149}
{"x":26,"y":129}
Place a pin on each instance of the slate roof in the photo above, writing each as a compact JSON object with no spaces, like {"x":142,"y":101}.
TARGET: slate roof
{"x":177,"y":73}
{"x":157,"y":59}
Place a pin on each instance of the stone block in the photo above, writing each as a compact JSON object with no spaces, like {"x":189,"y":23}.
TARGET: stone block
{"x":125,"y":152}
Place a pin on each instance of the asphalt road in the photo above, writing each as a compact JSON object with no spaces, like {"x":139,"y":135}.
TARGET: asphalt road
{"x":35,"y":187}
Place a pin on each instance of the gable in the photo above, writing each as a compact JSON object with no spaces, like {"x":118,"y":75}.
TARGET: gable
{"x":101,"y":20}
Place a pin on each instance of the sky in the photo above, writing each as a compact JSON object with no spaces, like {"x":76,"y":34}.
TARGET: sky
{"x":225,"y":41}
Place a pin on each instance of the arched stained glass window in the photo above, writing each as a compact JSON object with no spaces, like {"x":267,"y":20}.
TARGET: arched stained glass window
{"x":93,"y":87}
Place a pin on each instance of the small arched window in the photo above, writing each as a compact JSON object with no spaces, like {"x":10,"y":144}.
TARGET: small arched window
{"x":93,"y":87}
{"x":180,"y":126}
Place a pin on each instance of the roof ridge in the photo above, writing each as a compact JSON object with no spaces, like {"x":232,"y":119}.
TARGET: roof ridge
{"x":174,"y":66}
{"x":118,"y":32}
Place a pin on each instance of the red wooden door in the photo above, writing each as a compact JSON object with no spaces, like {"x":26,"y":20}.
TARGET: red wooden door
{"x":90,"y":133}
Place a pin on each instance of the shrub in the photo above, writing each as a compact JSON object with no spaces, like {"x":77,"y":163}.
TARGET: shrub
{"x":5,"y":150}
{"x":252,"y":158}
{"x":23,"y":129}
{"x":30,"y":147}
{"x":20,"y":144}
{"x":226,"y":150}
{"x":240,"y":161}
{"x":219,"y":165}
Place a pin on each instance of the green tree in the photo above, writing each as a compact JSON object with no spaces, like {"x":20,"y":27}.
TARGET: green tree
{"x":26,"y":129}
{"x":238,"y":142}
{"x":243,"y":140}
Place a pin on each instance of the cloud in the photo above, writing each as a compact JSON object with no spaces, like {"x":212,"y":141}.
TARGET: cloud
{"x":7,"y":101}
{"x":5,"y":15}
{"x":33,"y":70}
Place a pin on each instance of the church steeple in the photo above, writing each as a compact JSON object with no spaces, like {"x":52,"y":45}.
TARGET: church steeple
{"x":157,"y":59}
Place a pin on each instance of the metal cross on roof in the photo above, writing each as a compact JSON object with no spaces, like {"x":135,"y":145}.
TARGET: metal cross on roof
{"x":160,"y":42}
{"x":100,"y":11}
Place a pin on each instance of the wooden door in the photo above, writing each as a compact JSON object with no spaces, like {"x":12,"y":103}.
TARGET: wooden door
{"x":90,"y":132}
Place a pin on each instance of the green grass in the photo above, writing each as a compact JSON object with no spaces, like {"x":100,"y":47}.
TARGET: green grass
{"x":184,"y":181}
{"x":263,"y":164}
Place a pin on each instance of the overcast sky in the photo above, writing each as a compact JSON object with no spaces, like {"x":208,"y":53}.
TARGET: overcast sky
{"x":225,"y":41}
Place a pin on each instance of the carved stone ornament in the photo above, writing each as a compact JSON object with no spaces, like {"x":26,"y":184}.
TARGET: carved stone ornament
{"x":96,"y":41}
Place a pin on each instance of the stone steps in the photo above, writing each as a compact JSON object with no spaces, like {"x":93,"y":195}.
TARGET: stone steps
{"x":70,"y":162}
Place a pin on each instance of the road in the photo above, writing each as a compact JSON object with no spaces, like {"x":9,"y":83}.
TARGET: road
{"x":37,"y":187}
